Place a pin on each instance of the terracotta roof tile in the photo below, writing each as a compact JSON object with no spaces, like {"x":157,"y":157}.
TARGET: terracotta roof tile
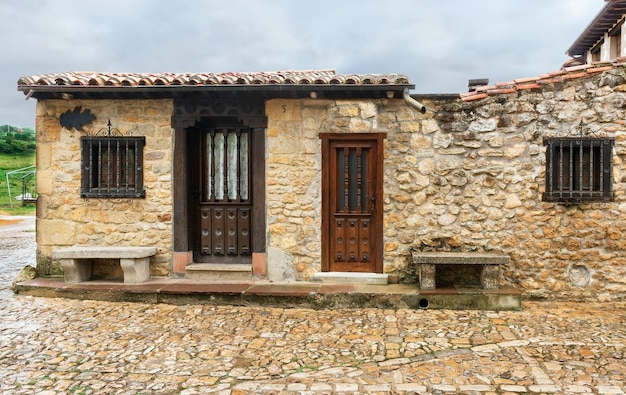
{"x":528,"y":86}
{"x":567,"y":73}
{"x":475,"y":97}
{"x":548,"y":81}
{"x":523,"y":80}
{"x":571,"y":76}
{"x":505,"y":83}
{"x":599,"y":69}
{"x":306,"y":77}
{"x":576,"y":68}
{"x":557,"y":73}
{"x":485,"y":88}
{"x":502,"y":91}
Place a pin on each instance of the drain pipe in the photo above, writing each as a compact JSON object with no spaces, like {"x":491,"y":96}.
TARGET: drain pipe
{"x":412,"y":102}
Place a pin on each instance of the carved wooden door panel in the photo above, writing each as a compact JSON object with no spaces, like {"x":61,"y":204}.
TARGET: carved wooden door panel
{"x":224,"y":196}
{"x":352,"y":202}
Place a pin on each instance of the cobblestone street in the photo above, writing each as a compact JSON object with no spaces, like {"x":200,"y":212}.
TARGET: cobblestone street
{"x":17,"y":247}
{"x":60,"y":346}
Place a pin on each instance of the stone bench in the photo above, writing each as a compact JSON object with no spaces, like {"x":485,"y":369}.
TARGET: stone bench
{"x":489,"y":266}
{"x":77,"y":262}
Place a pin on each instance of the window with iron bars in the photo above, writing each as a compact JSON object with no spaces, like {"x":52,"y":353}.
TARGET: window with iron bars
{"x":578,"y":169}
{"x":112,"y":167}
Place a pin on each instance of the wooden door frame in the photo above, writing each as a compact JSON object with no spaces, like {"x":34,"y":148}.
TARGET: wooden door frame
{"x":196,"y":183}
{"x":189,"y":112}
{"x":377,"y":244}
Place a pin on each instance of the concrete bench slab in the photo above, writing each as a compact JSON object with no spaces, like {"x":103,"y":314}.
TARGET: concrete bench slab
{"x":489,"y":265}
{"x":77,"y":265}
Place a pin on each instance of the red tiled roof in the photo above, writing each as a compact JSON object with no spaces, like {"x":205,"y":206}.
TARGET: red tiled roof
{"x":109,"y":80}
{"x":567,"y":73}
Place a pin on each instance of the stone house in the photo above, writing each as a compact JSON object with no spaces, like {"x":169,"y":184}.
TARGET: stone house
{"x":291,"y":176}
{"x":283,"y":176}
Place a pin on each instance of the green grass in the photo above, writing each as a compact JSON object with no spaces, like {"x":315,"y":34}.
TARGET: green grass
{"x":10,"y":162}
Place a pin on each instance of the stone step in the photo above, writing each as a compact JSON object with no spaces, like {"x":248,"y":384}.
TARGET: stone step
{"x":219,"y":271}
{"x":351,"y":278}
{"x":311,"y":295}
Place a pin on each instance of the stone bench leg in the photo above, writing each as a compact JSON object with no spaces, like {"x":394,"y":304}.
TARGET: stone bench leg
{"x":427,"y":276}
{"x":76,"y":270}
{"x":135,"y":270}
{"x":489,"y":277}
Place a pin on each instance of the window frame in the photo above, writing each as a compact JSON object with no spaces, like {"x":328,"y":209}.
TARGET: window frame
{"x":596,"y":52}
{"x":566,"y":169}
{"x":615,"y":41}
{"x":118,"y":165}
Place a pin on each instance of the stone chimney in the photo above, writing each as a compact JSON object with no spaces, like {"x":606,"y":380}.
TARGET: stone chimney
{"x":473,"y":84}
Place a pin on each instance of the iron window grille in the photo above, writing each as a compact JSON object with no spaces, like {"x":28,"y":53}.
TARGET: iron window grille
{"x":578,"y":169}
{"x":112,"y":167}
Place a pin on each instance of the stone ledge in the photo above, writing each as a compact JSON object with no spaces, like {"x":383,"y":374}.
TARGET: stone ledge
{"x":103,"y":252}
{"x":219,"y":267}
{"x":459,"y":258}
{"x":351,"y":278}
{"x":313,"y":295}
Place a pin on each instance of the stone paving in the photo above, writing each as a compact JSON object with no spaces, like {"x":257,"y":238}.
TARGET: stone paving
{"x":17,"y":246}
{"x":60,"y":346}
{"x":64,"y":346}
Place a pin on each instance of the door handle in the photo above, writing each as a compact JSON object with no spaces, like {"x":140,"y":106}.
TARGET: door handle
{"x":373,"y":202}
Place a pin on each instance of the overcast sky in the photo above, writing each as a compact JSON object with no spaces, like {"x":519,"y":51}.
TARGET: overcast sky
{"x":438,"y":44}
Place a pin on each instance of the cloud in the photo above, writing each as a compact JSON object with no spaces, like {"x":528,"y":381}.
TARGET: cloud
{"x":439,"y":44}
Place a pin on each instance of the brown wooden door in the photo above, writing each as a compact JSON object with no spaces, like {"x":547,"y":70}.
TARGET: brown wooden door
{"x":223,"y":196}
{"x":352,"y":202}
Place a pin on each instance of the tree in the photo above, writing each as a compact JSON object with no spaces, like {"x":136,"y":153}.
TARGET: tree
{"x":16,"y":141}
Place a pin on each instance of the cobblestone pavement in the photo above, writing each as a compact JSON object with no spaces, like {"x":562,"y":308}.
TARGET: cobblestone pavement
{"x":17,"y":247}
{"x":61,"y":346}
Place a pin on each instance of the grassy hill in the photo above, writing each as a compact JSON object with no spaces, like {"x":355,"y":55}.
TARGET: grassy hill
{"x":10,"y":162}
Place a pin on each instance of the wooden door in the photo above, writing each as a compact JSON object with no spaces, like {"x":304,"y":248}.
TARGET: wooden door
{"x":223,"y":195}
{"x":352,"y":171}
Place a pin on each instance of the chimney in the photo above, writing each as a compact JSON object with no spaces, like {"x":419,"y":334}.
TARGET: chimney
{"x":473,"y":84}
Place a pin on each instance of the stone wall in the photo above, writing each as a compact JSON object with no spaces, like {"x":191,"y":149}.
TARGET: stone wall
{"x":65,"y":219}
{"x":485,"y":178}
{"x":465,"y":176}
{"x":293,"y":187}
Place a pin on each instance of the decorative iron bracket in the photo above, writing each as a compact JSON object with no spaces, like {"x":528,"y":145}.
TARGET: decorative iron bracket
{"x":109,"y":132}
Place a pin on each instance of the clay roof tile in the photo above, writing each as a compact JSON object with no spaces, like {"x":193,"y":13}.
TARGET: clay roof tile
{"x":92,"y":80}
{"x":566,"y":73}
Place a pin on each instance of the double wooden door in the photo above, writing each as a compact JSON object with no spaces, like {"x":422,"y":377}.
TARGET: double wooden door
{"x":352,"y":174}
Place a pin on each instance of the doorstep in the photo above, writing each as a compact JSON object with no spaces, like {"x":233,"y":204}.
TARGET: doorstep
{"x":351,"y":278}
{"x":300,"y":294}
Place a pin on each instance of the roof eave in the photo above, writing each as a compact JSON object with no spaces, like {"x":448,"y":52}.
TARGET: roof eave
{"x":610,"y":14}
{"x":32,"y":90}
{"x":273,"y":87}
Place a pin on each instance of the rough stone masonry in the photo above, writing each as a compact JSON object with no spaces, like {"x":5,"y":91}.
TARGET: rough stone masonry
{"x":465,"y":176}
